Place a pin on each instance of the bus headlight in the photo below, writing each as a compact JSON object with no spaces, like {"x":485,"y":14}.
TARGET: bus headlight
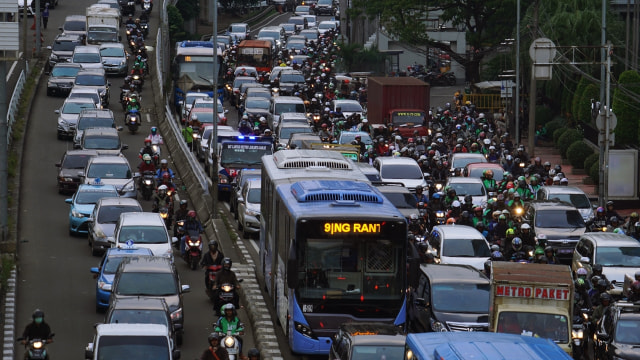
{"x":437,"y":326}
{"x":303,"y":329}
{"x":409,"y":355}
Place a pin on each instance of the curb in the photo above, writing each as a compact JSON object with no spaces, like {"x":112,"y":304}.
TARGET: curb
{"x":9,"y":318}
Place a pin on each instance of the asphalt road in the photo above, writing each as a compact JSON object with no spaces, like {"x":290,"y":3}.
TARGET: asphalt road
{"x":53,"y":268}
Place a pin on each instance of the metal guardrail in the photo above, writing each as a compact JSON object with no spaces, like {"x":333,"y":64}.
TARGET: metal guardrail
{"x":15,"y":101}
{"x":491,"y":102}
{"x":159,"y":60}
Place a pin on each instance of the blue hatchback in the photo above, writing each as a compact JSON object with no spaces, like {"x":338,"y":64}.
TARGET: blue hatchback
{"x":83,"y":202}
{"x":107,"y":271}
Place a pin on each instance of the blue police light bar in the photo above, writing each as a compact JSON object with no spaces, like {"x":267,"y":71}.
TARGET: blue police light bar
{"x":188,"y":43}
{"x":250,"y":138}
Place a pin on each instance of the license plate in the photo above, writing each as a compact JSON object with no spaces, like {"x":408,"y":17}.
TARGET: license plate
{"x":565,"y":251}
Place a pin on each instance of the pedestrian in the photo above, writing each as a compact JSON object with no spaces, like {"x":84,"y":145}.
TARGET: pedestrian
{"x":45,"y":16}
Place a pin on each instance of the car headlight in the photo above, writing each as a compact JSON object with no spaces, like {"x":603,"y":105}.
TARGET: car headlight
{"x":62,"y":122}
{"x":103,"y":92}
{"x":176,"y":315}
{"x":229,"y":342}
{"x":65,"y":179}
{"x":128,"y":187}
{"x":123,"y":62}
{"x":437,"y":326}
{"x":104,"y":286}
{"x":99,"y":234}
{"x":251,"y":212}
{"x":303,"y":329}
{"x":53,"y":57}
{"x":75,"y":213}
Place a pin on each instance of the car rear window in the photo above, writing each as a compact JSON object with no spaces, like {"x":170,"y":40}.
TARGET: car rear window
{"x":559,"y":219}
{"x":147,"y":283}
{"x":401,"y":171}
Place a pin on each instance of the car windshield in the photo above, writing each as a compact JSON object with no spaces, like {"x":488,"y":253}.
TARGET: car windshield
{"x":109,"y":171}
{"x":326,"y":26}
{"x":559,"y":219}
{"x":237,"y":28}
{"x":289,"y":107}
{"x":349,"y":107}
{"x":627,"y":331}
{"x":73,"y":107}
{"x":92,"y":197}
{"x":401,"y":200}
{"x":112,"y":52}
{"x":269,"y":34}
{"x":580,"y":201}
{"x":64,"y":45}
{"x":549,"y":326}
{"x":463,"y":189}
{"x":297,"y":21}
{"x":138,"y":316}
{"x":111,"y":214}
{"x":101,"y":142}
{"x":618,"y":256}
{"x":291,"y":78}
{"x":401,"y":171}
{"x":205,"y":117}
{"x":310,"y":35}
{"x":91,"y":122}
{"x":254,"y":196}
{"x":295,"y":45}
{"x":133,"y":347}
{"x":257,"y":103}
{"x":90,"y":80}
{"x":75,"y":161}
{"x":237,"y":82}
{"x":325,"y":2}
{"x":302,"y":9}
{"x":86,"y":58}
{"x":142,"y":234}
{"x":460,"y":298}
{"x":465,"y":248}
{"x":347,"y":137}
{"x":288,"y":26}
{"x":367,"y":352}
{"x":65,"y":71}
{"x":146,"y":283}
{"x":75,"y":26}
{"x":461,"y":162}
{"x":477,"y":173}
{"x":285,"y":133}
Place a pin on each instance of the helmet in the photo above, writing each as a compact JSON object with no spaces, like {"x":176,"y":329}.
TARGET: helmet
{"x":580,"y":284}
{"x":419,"y":188}
{"x":525,"y":227}
{"x":488,"y":173}
{"x":228,"y":306}
{"x":604,"y":296}
{"x":37,"y":313}
{"x":164,"y":162}
{"x":162,"y":188}
{"x":600,"y":209}
{"x":614,"y":219}
{"x":597,"y":269}
{"x":146,"y":157}
{"x":147,"y":141}
{"x":496,"y":255}
{"x":253,"y":352}
{"x":262,"y":119}
{"x":510,"y":231}
{"x":154,"y":130}
{"x":225,"y":262}
{"x":213,"y":336}
{"x":581,"y":272}
{"x":547,"y":249}
{"x":595,"y":279}
{"x":539,"y":251}
{"x":191,"y":214}
{"x":183,"y":202}
{"x":516,"y":243}
{"x":609,"y":203}
{"x":495,"y":247}
{"x":455,"y":204}
{"x":213,"y":243}
{"x":436,"y":196}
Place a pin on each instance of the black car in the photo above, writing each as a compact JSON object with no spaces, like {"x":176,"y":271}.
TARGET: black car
{"x":617,"y":335}
{"x":62,"y":78}
{"x":73,"y":161}
{"x":355,"y":341}
{"x":141,"y":310}
{"x":449,"y":298}
{"x":62,"y":49}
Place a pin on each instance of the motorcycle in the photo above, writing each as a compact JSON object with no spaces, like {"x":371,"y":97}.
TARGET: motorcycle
{"x":580,"y":333}
{"x":193,"y":250}
{"x":147,"y":185}
{"x":132,"y":120}
{"x":36,"y":349}
{"x":227,"y":294}
{"x":130,"y":30}
{"x":124,"y":98}
{"x":156,"y":154}
{"x":231,"y":344}
{"x":137,"y":79}
{"x":144,"y":26}
{"x":441,"y":217}
{"x":164,"y":214}
{"x":210,"y":279}
{"x":147,"y":5}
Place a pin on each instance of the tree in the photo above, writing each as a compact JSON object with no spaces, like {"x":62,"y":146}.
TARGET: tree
{"x":624,"y":105}
{"x":486,"y":22}
{"x":575,"y":102}
{"x":176,"y":22}
{"x":189,"y":9}
{"x":592,"y":91}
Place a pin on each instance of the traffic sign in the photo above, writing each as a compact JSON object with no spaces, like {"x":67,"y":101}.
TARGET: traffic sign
{"x":613,"y":121}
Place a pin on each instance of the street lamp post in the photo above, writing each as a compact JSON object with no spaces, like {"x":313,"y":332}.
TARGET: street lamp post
{"x":214,"y":155}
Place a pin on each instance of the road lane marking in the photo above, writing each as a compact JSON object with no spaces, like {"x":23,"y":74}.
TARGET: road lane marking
{"x":148,"y":118}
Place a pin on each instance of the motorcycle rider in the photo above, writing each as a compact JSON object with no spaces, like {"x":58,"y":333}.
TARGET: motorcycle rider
{"x":225,"y":276}
{"x":164,"y":168}
{"x":420,"y":196}
{"x":146,"y":164}
{"x":147,"y":149}
{"x":599,"y":222}
{"x":133,"y":102}
{"x":599,"y":311}
{"x":161,"y":199}
{"x":214,"y":351}
{"x":629,"y":225}
{"x":550,"y":253}
{"x":155,"y":137}
{"x":191,"y":225}
{"x":37,"y":329}
{"x":611,"y":212}
{"x":229,"y":321}
{"x":180,"y":214}
{"x":488,"y":181}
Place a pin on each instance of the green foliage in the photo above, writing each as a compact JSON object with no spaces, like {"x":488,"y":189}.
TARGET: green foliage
{"x":355,"y":57}
{"x":176,"y":22}
{"x":189,"y":9}
{"x":577,"y":153}
{"x":558,"y":133}
{"x":567,"y":97}
{"x":594,"y":172}
{"x":624,"y":104}
{"x":554,"y":125}
{"x":553,"y":93}
{"x":590,"y":160}
{"x":592,"y":91}
{"x":543,"y":115}
{"x":577,"y":97}
{"x":567,"y":139}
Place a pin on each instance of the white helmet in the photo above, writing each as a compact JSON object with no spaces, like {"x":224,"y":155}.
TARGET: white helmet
{"x":194,"y":117}
{"x":455,"y":204}
{"x":162,"y":187}
{"x":263,"y":119}
{"x":481,"y":116}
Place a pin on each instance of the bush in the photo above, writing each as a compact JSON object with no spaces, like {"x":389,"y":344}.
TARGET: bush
{"x":590,"y":160}
{"x":567,"y":139}
{"x":594,"y":172}
{"x":577,"y":153}
{"x":558,"y":133}
{"x":554,"y":125}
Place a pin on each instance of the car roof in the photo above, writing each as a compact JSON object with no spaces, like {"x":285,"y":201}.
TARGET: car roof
{"x":611,"y":239}
{"x":117,"y":201}
{"x":395,"y":160}
{"x":68,"y":64}
{"x":485,"y":165}
{"x":459,"y":231}
{"x":551,"y":204}
{"x":80,"y":100}
{"x":96,"y":113}
{"x":101,"y":131}
{"x":447,"y":273}
{"x":147,"y":264}
{"x":293,"y":115}
{"x":89,"y":187}
{"x":81,"y":152}
{"x":122,"y":329}
{"x":141,"y":218}
{"x":254,"y":183}
{"x":91,"y":72}
{"x":109,"y":159}
{"x":139,"y":302}
{"x":75,"y":18}
{"x":111,"y":252}
{"x":287,"y":99}
{"x":111,"y":45}
{"x":87,"y":48}
{"x":372,"y":333}
{"x":68,"y":37}
{"x":293,"y":124}
{"x":560,"y":189}
{"x":82,"y":90}
{"x":391,"y":187}
{"x":463,"y":180}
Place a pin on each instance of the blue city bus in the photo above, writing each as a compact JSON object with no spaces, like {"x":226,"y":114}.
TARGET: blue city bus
{"x":341,"y":257}
{"x":480,"y":346}
{"x":192,"y":68}
{"x":236,"y":154}
{"x":287,"y":167}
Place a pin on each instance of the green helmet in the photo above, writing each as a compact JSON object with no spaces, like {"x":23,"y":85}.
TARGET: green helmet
{"x":540,"y":251}
{"x":521,"y":179}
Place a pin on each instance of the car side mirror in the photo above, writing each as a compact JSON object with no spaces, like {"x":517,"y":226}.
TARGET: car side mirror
{"x":49,"y":48}
{"x":56,"y":111}
{"x":58,"y":164}
{"x":68,"y":201}
{"x":420,"y":302}
{"x":77,"y":146}
{"x":125,"y":146}
{"x":185,"y":288}
{"x":176,"y":354}
{"x":80,"y":174}
{"x":120,"y":128}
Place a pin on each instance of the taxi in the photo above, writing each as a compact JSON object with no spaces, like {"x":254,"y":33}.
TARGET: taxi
{"x":83,"y":202}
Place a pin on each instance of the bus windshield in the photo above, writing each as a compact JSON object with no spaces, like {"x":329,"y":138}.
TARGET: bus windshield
{"x":243,"y":153}
{"x":350,"y":269}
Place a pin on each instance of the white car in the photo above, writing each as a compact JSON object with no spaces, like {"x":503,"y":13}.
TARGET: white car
{"x":249,"y":207}
{"x":68,"y":115}
{"x":400,"y":169}
{"x":238,"y":31}
{"x":144,"y":229}
{"x":312,"y":20}
{"x":348,"y":107}
{"x":459,"y":244}
{"x":186,"y":104}
{"x":468,"y":186}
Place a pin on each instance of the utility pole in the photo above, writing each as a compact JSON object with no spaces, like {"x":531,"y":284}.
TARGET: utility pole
{"x":517,"y":93}
{"x":604,"y":170}
{"x":604,"y":74}
{"x":626,"y":40}
{"x":214,"y":155}
{"x":532,"y":90}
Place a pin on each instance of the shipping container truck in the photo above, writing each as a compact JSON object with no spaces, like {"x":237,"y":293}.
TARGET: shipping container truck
{"x":480,"y":346}
{"x":103,"y":25}
{"x":401,"y":101}
{"x":532,"y":299}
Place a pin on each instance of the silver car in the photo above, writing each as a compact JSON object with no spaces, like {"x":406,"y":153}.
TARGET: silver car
{"x":103,"y":221}
{"x":249,"y":207}
{"x":68,"y":115}
{"x":94,"y":79}
{"x":114,"y":58}
{"x":112,"y":170}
